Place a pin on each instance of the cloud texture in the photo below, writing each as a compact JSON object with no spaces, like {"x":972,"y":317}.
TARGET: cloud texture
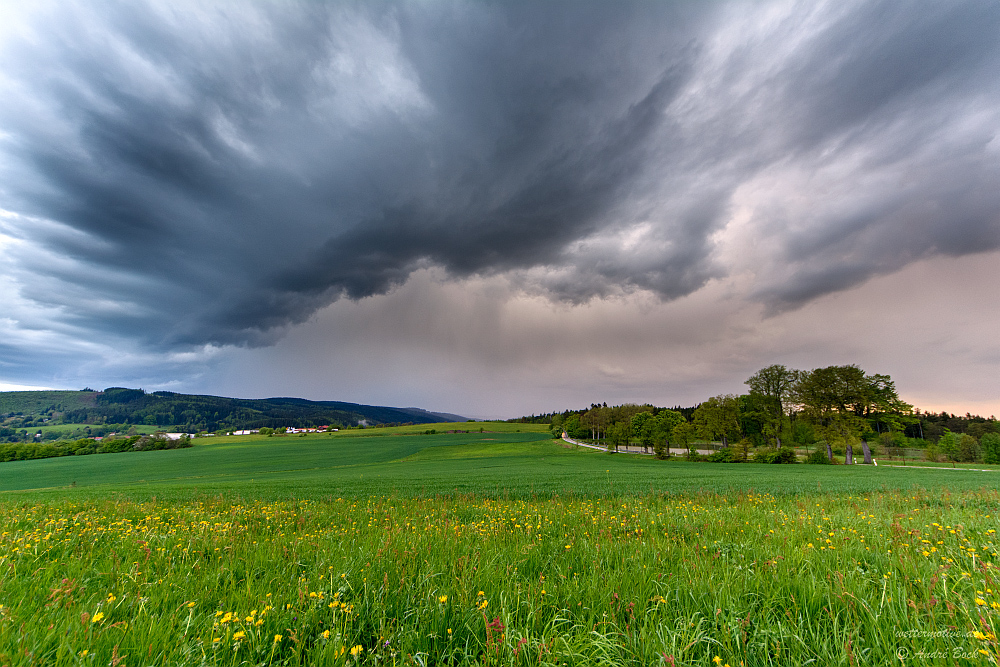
{"x":181,"y":177}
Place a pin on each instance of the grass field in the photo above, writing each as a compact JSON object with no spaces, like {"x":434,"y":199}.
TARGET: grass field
{"x":489,"y":549}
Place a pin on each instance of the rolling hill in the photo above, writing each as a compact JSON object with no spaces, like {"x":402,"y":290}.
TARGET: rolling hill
{"x":195,"y":412}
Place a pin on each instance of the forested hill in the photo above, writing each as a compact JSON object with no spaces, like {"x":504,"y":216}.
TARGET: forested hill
{"x":191,"y":412}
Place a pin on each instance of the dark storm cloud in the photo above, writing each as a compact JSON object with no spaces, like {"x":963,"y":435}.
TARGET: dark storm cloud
{"x":216,"y":173}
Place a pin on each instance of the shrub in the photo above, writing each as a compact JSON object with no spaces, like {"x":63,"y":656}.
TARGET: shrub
{"x":818,"y":457}
{"x":771,"y":455}
{"x":724,"y":455}
{"x":786,"y":455}
{"x":991,"y":447}
{"x":968,"y":449}
{"x":948,"y":443}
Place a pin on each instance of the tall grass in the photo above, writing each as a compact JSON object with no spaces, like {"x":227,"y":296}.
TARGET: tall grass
{"x":747,"y":578}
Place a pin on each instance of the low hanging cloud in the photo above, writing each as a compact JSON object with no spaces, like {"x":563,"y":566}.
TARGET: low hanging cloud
{"x":189,"y":174}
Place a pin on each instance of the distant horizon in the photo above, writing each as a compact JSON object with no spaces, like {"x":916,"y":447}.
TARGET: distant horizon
{"x":4,"y":387}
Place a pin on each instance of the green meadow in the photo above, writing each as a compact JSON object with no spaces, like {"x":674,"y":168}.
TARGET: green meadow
{"x":398,"y":547}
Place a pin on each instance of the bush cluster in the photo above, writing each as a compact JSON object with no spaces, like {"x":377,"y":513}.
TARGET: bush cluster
{"x":771,"y":455}
{"x":24,"y":451}
{"x":724,"y":455}
{"x":819,"y":457}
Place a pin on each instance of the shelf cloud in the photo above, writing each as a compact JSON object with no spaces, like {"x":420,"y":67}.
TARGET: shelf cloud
{"x":186,"y":177}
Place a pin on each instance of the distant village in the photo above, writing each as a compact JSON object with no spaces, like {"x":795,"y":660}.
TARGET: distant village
{"x":289,"y":430}
{"x":250,"y":431}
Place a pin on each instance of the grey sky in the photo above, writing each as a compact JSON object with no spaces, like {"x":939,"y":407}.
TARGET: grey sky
{"x":497,"y":207}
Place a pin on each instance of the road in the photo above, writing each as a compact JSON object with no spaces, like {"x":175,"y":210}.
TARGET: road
{"x":631,"y":449}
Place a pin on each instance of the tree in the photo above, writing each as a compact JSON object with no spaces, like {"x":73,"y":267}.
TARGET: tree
{"x":718,"y":418}
{"x":827,"y":396}
{"x":775,"y":384}
{"x":990,"y":443}
{"x":642,"y":428}
{"x":682,"y":434}
{"x":753,"y":417}
{"x":574,"y":428}
{"x":618,"y":435}
{"x":842,"y":400}
{"x":623,"y":414}
{"x":663,"y":427}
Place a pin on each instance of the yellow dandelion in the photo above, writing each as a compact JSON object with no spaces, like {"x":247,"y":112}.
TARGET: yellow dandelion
{"x":191,"y":604}
{"x":357,"y":650}
{"x":277,"y":638}
{"x":98,"y":617}
{"x":443,"y":599}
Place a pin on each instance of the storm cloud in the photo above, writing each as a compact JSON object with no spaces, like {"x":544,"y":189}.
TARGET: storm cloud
{"x":188,"y":176}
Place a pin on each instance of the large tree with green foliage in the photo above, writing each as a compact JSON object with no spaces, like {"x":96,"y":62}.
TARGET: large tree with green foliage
{"x":660,"y":429}
{"x":718,"y":418}
{"x":643,"y":428}
{"x":990,"y":443}
{"x":841,"y":400}
{"x":775,"y":385}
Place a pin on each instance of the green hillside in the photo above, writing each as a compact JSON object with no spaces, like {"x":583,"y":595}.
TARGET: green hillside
{"x":119,"y":406}
{"x":36,"y":403}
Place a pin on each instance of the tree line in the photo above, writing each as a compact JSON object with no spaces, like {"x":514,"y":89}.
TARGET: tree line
{"x":26,"y":451}
{"x":840,"y":409}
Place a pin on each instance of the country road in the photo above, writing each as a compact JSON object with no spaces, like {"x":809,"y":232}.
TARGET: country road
{"x":631,"y":449}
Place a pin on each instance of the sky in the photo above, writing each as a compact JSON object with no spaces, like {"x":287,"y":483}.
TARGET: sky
{"x":499,"y":208}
